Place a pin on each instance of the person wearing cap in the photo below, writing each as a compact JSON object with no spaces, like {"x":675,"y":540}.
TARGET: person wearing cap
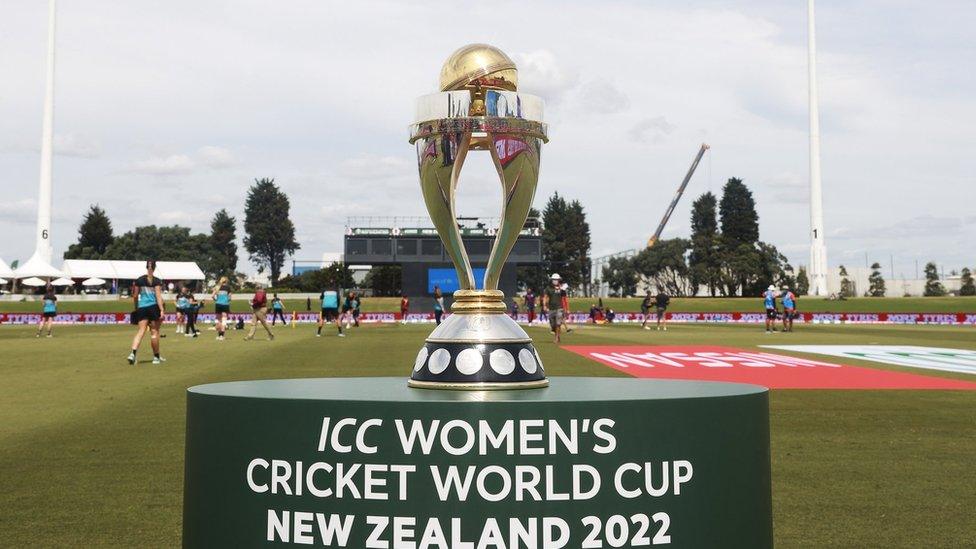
{"x":769,"y":301}
{"x":147,"y":296}
{"x":259,"y":313}
{"x":552,"y":305}
{"x":789,"y":308}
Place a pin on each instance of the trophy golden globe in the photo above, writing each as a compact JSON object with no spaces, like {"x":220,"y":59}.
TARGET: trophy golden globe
{"x":479,"y":108}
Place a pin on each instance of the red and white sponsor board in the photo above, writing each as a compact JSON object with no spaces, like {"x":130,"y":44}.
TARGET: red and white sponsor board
{"x":713,"y":363}
{"x":952,"y":319}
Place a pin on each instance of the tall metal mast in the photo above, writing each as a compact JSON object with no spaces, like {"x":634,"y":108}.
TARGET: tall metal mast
{"x":818,"y":248}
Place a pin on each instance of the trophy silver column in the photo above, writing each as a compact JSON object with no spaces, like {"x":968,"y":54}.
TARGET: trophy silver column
{"x":478,"y":109}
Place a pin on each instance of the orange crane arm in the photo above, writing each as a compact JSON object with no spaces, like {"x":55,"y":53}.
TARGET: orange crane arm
{"x":677,"y":196}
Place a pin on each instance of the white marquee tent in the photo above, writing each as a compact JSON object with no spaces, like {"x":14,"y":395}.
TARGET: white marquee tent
{"x":5,"y":270}
{"x":130,"y":270}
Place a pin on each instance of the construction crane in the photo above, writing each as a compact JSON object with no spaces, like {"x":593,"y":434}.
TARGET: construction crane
{"x":677,"y":196}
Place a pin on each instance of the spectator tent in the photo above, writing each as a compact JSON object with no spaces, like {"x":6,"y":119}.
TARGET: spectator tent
{"x":130,"y":270}
{"x":5,"y":270}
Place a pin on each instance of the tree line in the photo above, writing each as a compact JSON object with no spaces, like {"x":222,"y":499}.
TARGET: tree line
{"x":269,"y":237}
{"x":724,"y":255}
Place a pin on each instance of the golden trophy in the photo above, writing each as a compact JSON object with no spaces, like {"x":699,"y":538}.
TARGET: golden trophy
{"x":478,"y":108}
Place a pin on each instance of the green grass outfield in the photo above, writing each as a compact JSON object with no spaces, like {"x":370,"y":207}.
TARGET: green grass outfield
{"x":622,"y":305}
{"x":91,"y":449}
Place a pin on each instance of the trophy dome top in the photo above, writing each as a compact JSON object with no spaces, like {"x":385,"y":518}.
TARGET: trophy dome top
{"x":479,"y":66}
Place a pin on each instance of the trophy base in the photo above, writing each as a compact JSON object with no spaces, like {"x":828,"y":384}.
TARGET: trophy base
{"x":501,"y":386}
{"x":479,"y":351}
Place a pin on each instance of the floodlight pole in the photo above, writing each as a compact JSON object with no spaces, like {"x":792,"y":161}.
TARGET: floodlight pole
{"x":44,"y":250}
{"x":818,"y":248}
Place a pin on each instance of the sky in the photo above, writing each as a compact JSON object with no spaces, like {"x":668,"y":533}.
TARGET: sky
{"x":167,"y":111}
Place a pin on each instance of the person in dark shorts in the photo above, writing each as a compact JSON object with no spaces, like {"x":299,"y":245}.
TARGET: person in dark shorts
{"x":221,"y":297}
{"x":645,"y":307}
{"x":350,"y":310}
{"x":192,"y":310}
{"x":277,"y":311}
{"x":769,"y":302}
{"x":552,"y":305}
{"x":147,"y":296}
{"x":789,"y":308}
{"x":530,"y":305}
{"x":182,"y":304}
{"x":438,"y":305}
{"x":356,"y":303}
{"x":330,"y":311}
{"x":48,"y":312}
{"x":661,"y":302}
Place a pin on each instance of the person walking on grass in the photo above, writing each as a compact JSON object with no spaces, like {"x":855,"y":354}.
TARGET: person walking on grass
{"x":789,"y":308}
{"x":259,"y":313}
{"x":438,"y":305}
{"x":404,"y":307}
{"x":182,"y":305}
{"x":222,"y":297}
{"x":769,"y":302}
{"x":530,"y":305}
{"x":277,"y":310}
{"x":330,"y":311}
{"x":147,"y":296}
{"x":552,"y":306}
{"x":645,"y":308}
{"x":661,"y":302}
{"x":48,"y":312}
{"x":192,"y":310}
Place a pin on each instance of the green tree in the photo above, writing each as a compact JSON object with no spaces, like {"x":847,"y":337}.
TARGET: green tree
{"x":173,"y":243}
{"x":336,"y":275}
{"x":704,"y":260}
{"x":94,"y":236}
{"x":385,"y":280}
{"x":566,"y":240}
{"x":621,"y":276}
{"x":665,"y":266}
{"x":876,"y":282}
{"x":802,"y":282}
{"x":846,"y":284}
{"x":737,"y":211}
{"x":740,"y":236}
{"x":967,"y":287}
{"x":933,"y":287}
{"x":223,"y":246}
{"x":269,"y":232}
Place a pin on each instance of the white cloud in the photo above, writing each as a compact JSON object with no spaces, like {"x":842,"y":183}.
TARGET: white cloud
{"x":174,"y":164}
{"x":603,"y":98}
{"x":23,"y":211}
{"x":541,"y":74}
{"x":76,"y":145}
{"x":209,"y":157}
{"x":651,"y":130}
{"x":216,"y":157}
{"x":369,"y":166}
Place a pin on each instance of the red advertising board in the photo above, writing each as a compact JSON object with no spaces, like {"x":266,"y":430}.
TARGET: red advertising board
{"x":953,"y":319}
{"x":713,"y":363}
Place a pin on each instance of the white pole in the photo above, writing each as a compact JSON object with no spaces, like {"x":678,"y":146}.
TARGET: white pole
{"x":44,"y":250}
{"x":818,"y":249}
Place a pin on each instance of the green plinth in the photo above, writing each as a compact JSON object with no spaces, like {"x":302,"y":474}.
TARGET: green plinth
{"x":336,"y":462}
